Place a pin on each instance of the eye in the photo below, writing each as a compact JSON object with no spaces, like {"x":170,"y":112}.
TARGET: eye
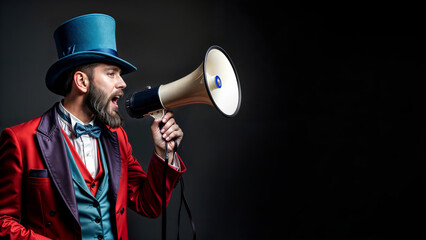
{"x":111,"y":74}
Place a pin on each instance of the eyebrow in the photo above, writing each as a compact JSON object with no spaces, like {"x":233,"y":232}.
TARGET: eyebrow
{"x":114,"y":68}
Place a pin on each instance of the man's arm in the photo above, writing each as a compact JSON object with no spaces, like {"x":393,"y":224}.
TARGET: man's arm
{"x":144,"y":190}
{"x":11,"y":168}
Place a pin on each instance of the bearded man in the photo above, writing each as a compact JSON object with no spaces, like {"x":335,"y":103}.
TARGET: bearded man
{"x":70,"y":173}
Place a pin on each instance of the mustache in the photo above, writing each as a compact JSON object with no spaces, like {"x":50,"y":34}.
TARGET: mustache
{"x":116,"y":94}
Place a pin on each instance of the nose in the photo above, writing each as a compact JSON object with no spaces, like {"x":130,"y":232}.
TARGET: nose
{"x":121,"y":83}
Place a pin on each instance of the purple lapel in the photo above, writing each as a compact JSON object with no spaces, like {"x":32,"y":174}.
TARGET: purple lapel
{"x":52,"y":146}
{"x":111,"y":148}
{"x":51,"y":142}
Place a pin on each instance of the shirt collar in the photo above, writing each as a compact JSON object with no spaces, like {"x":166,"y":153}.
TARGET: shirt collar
{"x":73,"y":119}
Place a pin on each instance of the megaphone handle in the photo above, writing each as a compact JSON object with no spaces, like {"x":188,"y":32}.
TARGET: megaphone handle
{"x":157,"y":114}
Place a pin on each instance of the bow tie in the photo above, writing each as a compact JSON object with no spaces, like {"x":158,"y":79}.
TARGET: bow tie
{"x":81,"y":129}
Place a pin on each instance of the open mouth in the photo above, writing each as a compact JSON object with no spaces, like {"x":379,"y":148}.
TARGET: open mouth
{"x":115,"y":98}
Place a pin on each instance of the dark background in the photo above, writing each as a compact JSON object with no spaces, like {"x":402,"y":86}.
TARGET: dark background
{"x":329,"y":142}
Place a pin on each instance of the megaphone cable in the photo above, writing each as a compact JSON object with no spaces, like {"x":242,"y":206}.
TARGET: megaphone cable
{"x":183,"y":199}
{"x":164,"y":197}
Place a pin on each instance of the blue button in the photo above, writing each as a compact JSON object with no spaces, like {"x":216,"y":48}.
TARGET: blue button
{"x":218,"y":81}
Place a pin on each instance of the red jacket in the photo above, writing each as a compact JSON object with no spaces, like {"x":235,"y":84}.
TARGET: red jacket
{"x":37,"y":199}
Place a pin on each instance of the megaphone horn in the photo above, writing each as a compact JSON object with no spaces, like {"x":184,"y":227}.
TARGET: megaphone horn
{"x":215,"y":82}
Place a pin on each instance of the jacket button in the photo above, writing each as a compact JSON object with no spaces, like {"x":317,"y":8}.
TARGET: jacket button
{"x":100,"y":236}
{"x":122,"y":211}
{"x":48,"y":224}
{"x":52,"y":213}
{"x":96,"y":204}
{"x":98,"y":220}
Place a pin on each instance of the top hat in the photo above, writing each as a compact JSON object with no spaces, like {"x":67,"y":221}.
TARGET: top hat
{"x":82,"y":40}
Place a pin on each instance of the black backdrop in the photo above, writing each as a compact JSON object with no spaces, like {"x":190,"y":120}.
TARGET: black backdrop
{"x":329,"y":142}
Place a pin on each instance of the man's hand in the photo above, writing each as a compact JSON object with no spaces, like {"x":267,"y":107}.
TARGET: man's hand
{"x":169,"y":132}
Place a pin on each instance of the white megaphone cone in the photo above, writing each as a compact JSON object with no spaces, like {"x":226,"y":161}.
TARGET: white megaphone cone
{"x":215,"y":82}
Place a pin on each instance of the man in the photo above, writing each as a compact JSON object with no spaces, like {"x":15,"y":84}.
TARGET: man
{"x":70,"y":173}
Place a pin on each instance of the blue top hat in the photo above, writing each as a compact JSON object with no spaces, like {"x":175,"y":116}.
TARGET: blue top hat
{"x":85,"y":39}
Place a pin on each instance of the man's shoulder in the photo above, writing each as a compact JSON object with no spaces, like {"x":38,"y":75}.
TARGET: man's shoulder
{"x":21,"y":133}
{"x":26,"y":127}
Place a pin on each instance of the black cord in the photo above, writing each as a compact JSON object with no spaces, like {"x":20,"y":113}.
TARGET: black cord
{"x":164,"y":196}
{"x":182,"y":199}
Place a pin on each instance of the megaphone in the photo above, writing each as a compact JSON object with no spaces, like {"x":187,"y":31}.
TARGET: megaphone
{"x":215,"y":82}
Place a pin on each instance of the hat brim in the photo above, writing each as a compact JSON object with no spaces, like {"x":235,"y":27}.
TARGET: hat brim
{"x":55,"y":81}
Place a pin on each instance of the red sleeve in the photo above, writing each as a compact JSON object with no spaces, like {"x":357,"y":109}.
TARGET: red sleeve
{"x":11,"y":189}
{"x":144,"y":189}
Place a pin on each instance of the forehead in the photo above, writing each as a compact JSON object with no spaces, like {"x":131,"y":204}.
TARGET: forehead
{"x":107,"y":67}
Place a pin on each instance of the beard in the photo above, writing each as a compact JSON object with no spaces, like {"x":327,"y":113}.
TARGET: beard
{"x":98,"y":102}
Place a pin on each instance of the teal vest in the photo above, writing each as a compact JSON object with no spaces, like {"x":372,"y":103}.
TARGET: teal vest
{"x":94,"y":211}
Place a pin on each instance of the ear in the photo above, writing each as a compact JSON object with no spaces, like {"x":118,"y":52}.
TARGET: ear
{"x":81,"y":81}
